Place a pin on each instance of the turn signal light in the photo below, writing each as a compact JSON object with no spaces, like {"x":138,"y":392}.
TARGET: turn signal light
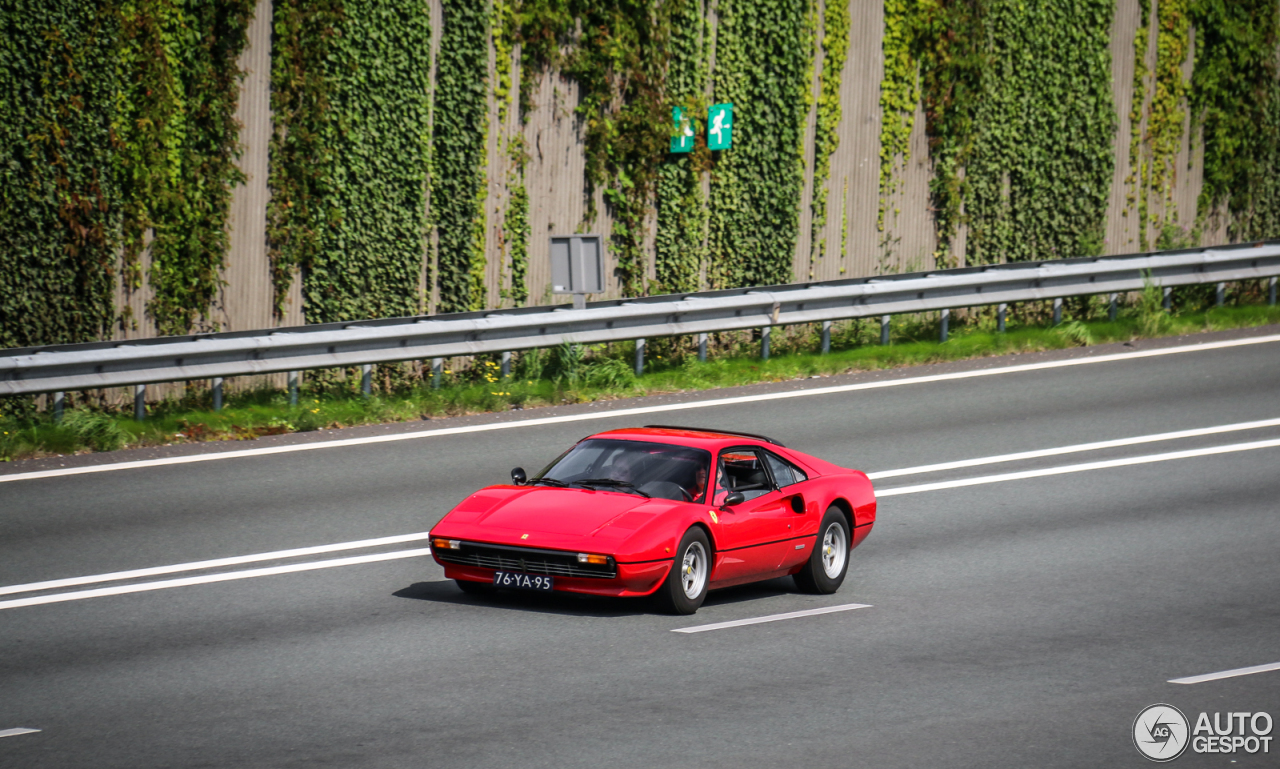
{"x":446,"y":544}
{"x":600,"y":560}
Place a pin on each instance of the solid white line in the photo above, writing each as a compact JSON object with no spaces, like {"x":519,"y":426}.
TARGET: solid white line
{"x":211,"y":564}
{"x":16,"y":732}
{"x":80,"y":595}
{"x":1227,"y":674}
{"x":772,"y":618}
{"x":881,"y":493}
{"x":1076,"y":448}
{"x":637,"y":411}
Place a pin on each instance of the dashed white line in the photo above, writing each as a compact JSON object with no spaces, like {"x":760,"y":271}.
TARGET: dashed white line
{"x":16,"y":732}
{"x":772,"y":618}
{"x":1229,"y":449}
{"x":80,"y":595}
{"x":1227,"y":674}
{"x":1136,"y":355}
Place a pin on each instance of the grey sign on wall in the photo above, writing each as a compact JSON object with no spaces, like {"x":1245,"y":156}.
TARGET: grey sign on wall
{"x":577,"y":264}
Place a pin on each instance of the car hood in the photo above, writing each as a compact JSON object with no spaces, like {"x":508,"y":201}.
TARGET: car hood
{"x":543,"y":509}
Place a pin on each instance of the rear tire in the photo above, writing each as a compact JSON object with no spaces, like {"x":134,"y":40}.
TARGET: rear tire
{"x":474,"y":588}
{"x":685,"y":587}
{"x":828,"y":564}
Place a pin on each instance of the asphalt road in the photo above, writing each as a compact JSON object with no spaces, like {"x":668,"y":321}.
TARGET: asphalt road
{"x":1016,"y":623}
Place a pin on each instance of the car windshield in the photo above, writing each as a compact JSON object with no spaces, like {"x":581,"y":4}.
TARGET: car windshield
{"x":648,"y":469}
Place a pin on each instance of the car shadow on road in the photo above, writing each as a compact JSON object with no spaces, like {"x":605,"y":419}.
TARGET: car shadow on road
{"x":574,"y":604}
{"x":569,"y":604}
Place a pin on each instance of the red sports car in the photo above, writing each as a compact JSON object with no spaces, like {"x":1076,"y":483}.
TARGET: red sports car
{"x":665,"y":511}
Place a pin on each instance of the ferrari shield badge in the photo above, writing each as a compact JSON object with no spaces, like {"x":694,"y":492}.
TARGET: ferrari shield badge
{"x":714,"y":519}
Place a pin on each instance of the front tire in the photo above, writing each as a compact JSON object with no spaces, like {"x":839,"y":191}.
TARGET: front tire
{"x":829,"y":562}
{"x":685,"y":588}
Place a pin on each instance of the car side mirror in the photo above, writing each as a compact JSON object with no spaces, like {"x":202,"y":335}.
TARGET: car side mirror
{"x":735,"y":498}
{"x":518,"y":477}
{"x":797,"y":503}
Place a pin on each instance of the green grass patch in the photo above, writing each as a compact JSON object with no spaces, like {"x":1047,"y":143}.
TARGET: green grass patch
{"x":574,"y":375}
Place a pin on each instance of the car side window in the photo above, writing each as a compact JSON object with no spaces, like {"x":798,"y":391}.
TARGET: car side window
{"x":784,"y":473}
{"x":743,"y":470}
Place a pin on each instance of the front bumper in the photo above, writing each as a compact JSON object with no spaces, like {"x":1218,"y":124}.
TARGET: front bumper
{"x":633,"y":579}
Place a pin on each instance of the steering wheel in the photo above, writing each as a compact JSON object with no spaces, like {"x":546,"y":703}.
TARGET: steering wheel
{"x":687,"y":496}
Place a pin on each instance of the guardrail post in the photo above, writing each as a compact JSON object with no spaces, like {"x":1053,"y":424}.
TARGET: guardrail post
{"x":639,"y":356}
{"x":1168,"y":298}
{"x":1220,"y":295}
{"x":1001,"y":310}
{"x":1113,"y":309}
{"x":826,"y":337}
{"x":437,"y":372}
{"x":1057,"y":311}
{"x":946,"y":321}
{"x":293,"y":388}
{"x":217,"y":393}
{"x":702,"y":348}
{"x":1271,"y":292}
{"x":140,"y":402}
{"x":366,"y":379}
{"x":765,"y":334}
{"x":506,"y":364}
{"x":884,"y":329}
{"x":59,"y":398}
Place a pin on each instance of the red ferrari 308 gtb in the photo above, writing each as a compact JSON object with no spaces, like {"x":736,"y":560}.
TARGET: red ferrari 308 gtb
{"x":666,"y":511}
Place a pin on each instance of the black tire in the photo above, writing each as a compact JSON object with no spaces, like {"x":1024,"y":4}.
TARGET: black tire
{"x":828,"y":564}
{"x":474,"y":588}
{"x":681,"y":595}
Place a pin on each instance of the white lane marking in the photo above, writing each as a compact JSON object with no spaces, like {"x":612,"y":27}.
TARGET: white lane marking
{"x":1226,"y":674}
{"x":881,"y":493}
{"x":772,"y":618}
{"x":16,"y":732}
{"x":636,"y":411}
{"x":210,"y":564}
{"x":1079,"y":447}
{"x":80,"y":595}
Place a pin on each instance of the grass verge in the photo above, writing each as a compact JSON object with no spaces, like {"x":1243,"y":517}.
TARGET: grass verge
{"x":267,"y":412}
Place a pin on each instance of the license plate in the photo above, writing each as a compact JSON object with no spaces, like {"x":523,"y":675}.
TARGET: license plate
{"x":521,"y":581}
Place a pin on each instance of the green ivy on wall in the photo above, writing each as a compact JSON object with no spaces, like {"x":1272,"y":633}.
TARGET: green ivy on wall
{"x":835,"y":49}
{"x":1041,"y":167}
{"x":680,"y":241}
{"x":59,"y":199}
{"x":1235,"y":96}
{"x":119,"y":123}
{"x":351,"y":94}
{"x":756,"y":186}
{"x":1154,"y":146}
{"x":458,"y":155}
{"x":899,"y":95}
{"x":950,"y":38}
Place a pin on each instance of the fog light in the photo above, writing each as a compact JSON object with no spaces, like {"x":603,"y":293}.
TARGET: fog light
{"x":599,"y":560}
{"x":446,"y":544}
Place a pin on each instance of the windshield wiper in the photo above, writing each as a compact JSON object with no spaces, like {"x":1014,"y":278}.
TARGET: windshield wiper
{"x":615,"y":483}
{"x":550,"y":482}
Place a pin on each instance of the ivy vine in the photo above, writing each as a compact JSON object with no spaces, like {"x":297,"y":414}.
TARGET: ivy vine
{"x":899,"y":94}
{"x":1040,"y":171}
{"x":1235,"y":96}
{"x":762,"y":55}
{"x":680,"y":241}
{"x":458,"y":155}
{"x":835,"y":49}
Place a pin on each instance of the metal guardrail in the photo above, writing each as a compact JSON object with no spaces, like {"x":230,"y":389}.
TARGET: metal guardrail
{"x":213,"y":356}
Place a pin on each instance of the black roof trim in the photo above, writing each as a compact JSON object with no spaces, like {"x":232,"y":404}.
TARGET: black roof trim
{"x":764,"y":438}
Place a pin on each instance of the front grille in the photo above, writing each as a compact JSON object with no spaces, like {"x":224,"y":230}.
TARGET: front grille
{"x":527,"y":560}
